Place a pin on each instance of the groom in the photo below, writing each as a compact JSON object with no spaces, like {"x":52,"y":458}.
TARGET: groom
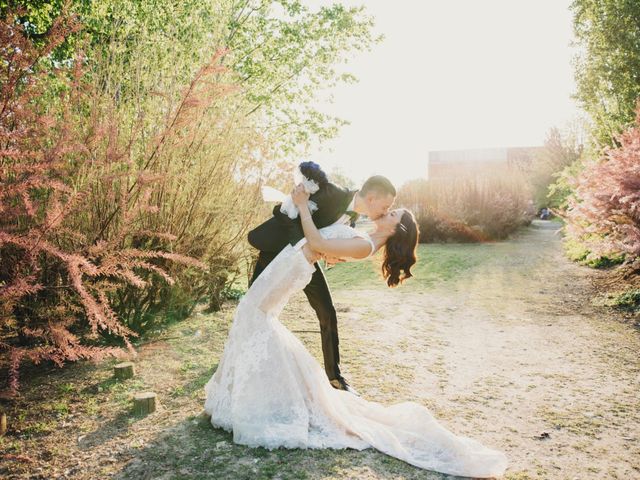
{"x":335,"y":205}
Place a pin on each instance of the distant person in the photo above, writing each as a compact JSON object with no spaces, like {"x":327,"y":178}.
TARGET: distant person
{"x":545,"y":214}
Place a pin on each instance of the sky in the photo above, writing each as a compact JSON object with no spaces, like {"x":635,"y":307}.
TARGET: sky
{"x":451,"y":74}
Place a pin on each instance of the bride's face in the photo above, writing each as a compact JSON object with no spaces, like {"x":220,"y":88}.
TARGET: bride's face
{"x":388,"y":222}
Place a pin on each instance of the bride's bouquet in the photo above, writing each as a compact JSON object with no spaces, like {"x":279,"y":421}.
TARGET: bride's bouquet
{"x":311,"y":176}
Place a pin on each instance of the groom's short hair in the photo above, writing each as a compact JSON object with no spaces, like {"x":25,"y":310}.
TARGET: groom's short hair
{"x":379,"y":185}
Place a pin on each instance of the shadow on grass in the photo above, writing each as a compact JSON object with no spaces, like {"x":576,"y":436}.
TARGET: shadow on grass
{"x":198,"y":383}
{"x":106,"y":431}
{"x":195,"y":449}
{"x":120,"y":423}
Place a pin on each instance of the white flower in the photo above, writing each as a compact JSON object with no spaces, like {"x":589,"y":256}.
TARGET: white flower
{"x":289,"y":208}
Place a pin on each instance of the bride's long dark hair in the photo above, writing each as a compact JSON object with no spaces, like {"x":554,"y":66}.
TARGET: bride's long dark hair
{"x":400,"y":250}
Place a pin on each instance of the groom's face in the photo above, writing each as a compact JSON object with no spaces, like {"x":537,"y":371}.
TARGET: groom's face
{"x":378,"y":205}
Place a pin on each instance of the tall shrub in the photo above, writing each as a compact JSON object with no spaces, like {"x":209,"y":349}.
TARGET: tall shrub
{"x":605,"y":212}
{"x":467,"y":209}
{"x":57,"y":159}
{"x":284,"y":51}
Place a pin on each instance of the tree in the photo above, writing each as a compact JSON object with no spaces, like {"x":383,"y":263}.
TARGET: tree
{"x":607,"y":70}
{"x":283,"y":52}
{"x":553,"y":162}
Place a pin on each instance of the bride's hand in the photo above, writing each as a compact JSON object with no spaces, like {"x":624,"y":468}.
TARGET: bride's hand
{"x":300,"y":195}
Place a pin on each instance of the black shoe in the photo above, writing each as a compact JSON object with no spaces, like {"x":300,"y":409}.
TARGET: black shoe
{"x":341,"y":384}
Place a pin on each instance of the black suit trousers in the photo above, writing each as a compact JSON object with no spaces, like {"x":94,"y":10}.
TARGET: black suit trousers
{"x":319,"y":296}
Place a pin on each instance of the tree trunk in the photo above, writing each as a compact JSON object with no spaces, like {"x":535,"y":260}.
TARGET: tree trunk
{"x":144,"y":403}
{"x":124,"y":370}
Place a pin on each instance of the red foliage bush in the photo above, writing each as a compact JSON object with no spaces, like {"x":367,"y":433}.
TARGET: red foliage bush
{"x":56,"y":278}
{"x":604,"y":213}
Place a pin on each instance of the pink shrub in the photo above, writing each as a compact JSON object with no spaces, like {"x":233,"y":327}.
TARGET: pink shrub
{"x":57,"y":275}
{"x":605,"y":210}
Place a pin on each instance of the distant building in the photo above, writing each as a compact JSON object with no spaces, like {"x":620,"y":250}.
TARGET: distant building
{"x":478,"y":162}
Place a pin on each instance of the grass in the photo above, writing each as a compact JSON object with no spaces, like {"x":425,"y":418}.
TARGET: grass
{"x":436,"y":263}
{"x":629,"y":300}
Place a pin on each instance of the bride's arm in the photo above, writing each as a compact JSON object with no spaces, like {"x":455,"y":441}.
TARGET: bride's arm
{"x":337,"y":247}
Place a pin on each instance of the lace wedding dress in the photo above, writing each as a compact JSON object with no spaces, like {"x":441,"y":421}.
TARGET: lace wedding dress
{"x":271,"y":392}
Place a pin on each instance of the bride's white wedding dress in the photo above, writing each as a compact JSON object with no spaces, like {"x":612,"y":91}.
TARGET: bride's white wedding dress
{"x":271,"y":392}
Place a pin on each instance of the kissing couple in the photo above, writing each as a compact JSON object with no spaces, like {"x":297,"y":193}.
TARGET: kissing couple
{"x":270,"y":391}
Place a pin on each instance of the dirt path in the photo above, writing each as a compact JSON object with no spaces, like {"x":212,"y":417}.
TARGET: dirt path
{"x":511,"y":352}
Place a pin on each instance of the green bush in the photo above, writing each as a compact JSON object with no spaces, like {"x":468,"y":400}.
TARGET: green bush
{"x":579,"y":252}
{"x":629,"y":300}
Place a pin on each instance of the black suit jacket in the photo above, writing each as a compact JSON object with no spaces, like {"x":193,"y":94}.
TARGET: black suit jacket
{"x":274,"y":234}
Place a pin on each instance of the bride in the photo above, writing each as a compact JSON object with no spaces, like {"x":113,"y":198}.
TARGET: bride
{"x":271,"y":392}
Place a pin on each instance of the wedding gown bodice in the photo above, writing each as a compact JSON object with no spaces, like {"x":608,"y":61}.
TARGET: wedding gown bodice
{"x":271,"y":392}
{"x":339,"y":230}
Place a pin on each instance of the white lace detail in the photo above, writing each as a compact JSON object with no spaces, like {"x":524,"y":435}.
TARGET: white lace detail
{"x":271,"y":392}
